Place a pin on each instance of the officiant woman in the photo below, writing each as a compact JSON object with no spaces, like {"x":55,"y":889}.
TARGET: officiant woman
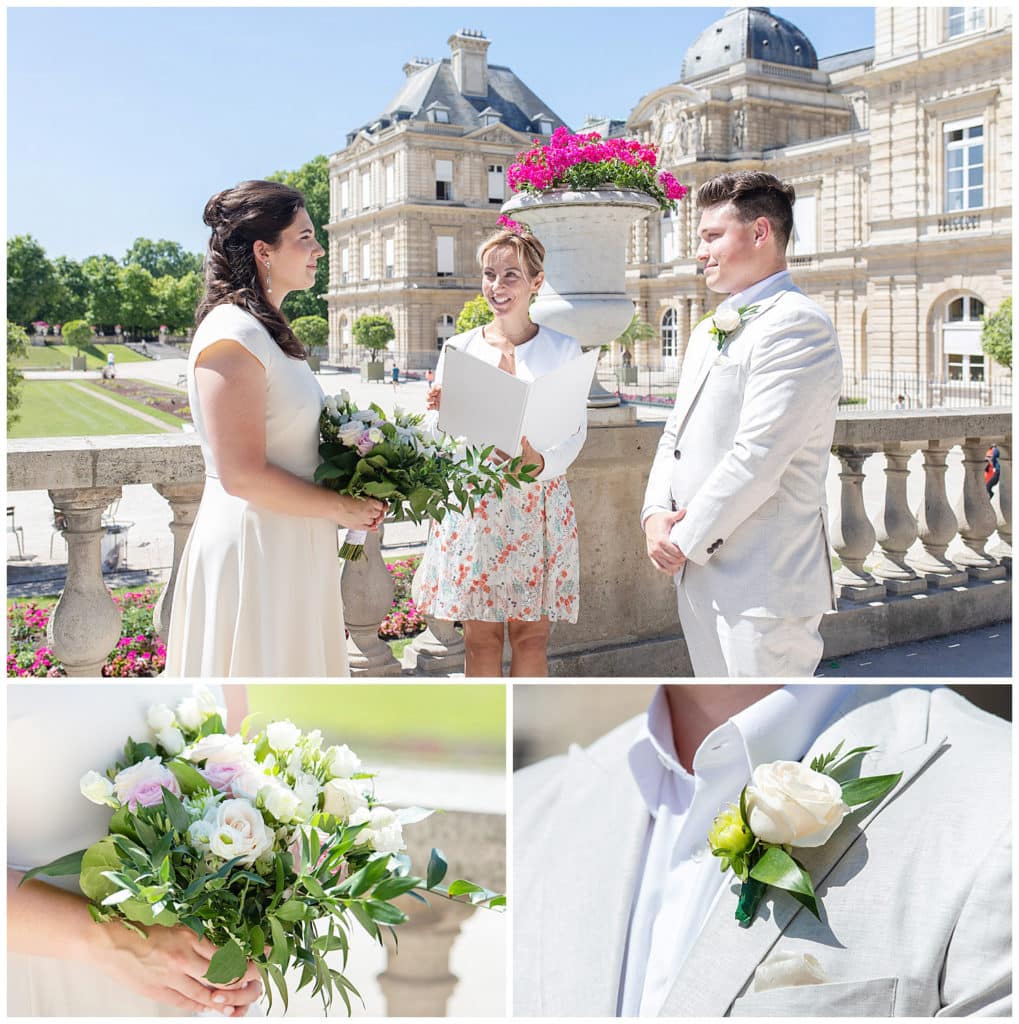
{"x":513,"y":566}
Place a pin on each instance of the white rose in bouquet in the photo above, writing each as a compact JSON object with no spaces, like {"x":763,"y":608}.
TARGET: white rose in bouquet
{"x":342,"y":798}
{"x":313,"y":740}
{"x":307,"y":789}
{"x":282,"y":736}
{"x":330,"y":405}
{"x":221,"y":747}
{"x":350,"y":432}
{"x":282,"y":803}
{"x":789,"y":804}
{"x":341,"y":762}
{"x":238,"y":830}
{"x":384,"y":832}
{"x":171,"y":740}
{"x":97,"y":788}
{"x":727,"y":319}
{"x":160,"y":717}
{"x":189,"y":713}
{"x":246,"y":785}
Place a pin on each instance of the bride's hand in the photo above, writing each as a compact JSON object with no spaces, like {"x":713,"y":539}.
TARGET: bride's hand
{"x":360,"y":513}
{"x":169,"y":966}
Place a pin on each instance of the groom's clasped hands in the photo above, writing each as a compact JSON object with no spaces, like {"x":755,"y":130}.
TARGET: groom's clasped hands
{"x":664,"y":555}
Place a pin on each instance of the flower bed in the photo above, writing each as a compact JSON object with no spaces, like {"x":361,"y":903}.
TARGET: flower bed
{"x":139,"y":652}
{"x":404,"y":620}
{"x":163,"y":399}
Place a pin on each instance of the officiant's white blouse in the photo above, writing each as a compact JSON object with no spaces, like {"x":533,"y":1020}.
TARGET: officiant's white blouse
{"x":680,"y":881}
{"x":545,"y":352}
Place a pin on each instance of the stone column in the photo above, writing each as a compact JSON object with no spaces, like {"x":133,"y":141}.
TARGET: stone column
{"x":184,"y":500}
{"x":852,"y":535}
{"x":85,"y":624}
{"x":418,"y":981}
{"x":975,"y":516}
{"x":936,"y":524}
{"x":367,"y":590}
{"x":896,"y":530}
{"x":438,"y":651}
{"x":1003,"y":492}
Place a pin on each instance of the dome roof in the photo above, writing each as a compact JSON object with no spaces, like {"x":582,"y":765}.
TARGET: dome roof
{"x":748,"y":33}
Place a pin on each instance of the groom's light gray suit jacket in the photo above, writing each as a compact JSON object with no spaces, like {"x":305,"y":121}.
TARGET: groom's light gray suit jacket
{"x":916,"y":891}
{"x":745,"y":451}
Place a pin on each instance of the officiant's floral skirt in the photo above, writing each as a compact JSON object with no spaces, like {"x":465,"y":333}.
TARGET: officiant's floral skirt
{"x":516,"y":558}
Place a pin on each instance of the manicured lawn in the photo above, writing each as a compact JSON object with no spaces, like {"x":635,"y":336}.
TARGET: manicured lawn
{"x":166,"y":417}
{"x":54,"y":408}
{"x":58,"y":357}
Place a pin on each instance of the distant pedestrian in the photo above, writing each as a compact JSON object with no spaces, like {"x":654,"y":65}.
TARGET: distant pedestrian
{"x":430,"y":377}
{"x":396,"y":376}
{"x":900,"y":403}
{"x":992,"y":470}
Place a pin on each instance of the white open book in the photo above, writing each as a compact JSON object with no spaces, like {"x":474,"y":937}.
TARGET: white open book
{"x":486,"y":405}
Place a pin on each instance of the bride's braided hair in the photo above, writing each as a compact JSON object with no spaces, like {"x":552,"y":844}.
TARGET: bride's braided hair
{"x":239,"y":217}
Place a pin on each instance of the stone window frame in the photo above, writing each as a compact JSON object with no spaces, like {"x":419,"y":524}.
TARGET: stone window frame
{"x":389,"y":250}
{"x":366,"y":263}
{"x":963,"y":124}
{"x":500,"y":169}
{"x":941,"y":112}
{"x":969,"y":14}
{"x":444,"y":195}
{"x":668,"y":333}
{"x":452,"y":271}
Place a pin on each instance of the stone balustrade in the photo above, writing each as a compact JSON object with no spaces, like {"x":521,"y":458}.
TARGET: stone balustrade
{"x":937,"y":549}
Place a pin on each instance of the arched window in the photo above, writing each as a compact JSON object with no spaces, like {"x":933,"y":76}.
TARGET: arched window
{"x":670,"y":348}
{"x":960,"y":340}
{"x":445,"y":328}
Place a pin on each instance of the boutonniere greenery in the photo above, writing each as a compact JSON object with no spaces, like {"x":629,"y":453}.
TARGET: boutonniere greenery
{"x":725,"y":321}
{"x":788,"y":805}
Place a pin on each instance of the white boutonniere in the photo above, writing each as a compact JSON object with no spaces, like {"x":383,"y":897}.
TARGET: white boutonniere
{"x":786,"y":805}
{"x":725,"y":321}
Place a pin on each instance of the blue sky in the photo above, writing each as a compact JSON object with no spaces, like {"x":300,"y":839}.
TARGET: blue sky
{"x":123,"y":121}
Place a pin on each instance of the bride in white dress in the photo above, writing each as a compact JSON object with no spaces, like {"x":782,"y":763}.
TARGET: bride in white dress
{"x":59,"y":961}
{"x":258,"y":587}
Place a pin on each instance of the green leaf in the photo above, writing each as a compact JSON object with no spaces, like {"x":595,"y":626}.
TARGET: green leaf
{"x":212,"y":725}
{"x":191,"y":780}
{"x":227,"y":965}
{"x":100,"y":857}
{"x":277,"y":976}
{"x":179,"y":817}
{"x":256,"y":939}
{"x":385,"y":913}
{"x":461,"y":887}
{"x":777,"y":868}
{"x":69,"y":864}
{"x":390,"y":888}
{"x":863,"y":791}
{"x":280,"y":952}
{"x":137,"y":910}
{"x":437,"y":868}
{"x":361,"y":881}
{"x":292,"y":910}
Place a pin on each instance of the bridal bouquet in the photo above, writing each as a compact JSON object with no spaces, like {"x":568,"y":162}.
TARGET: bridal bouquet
{"x":268,"y":844}
{"x":366,"y":455}
{"x":587,"y":161}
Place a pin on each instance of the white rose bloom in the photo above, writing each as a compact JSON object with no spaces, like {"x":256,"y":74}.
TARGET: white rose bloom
{"x":330,"y":405}
{"x":351,"y":432}
{"x":376,"y":436}
{"x":342,"y":798}
{"x":384,"y":832}
{"x":221,"y":747}
{"x":307,"y":789}
{"x":313,"y":740}
{"x":189,"y":713}
{"x":282,"y":736}
{"x":238,"y":830}
{"x":160,"y":717}
{"x":792,"y":805}
{"x":97,"y":788}
{"x":171,"y":740}
{"x":282,"y":803}
{"x":249,"y":783}
{"x":727,"y":319}
{"x":342,"y":762}
{"x":295,"y":763}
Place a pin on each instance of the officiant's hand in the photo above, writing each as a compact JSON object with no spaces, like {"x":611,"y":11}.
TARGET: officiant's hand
{"x":665,"y":556}
{"x":433,"y":398}
{"x":531,"y":456}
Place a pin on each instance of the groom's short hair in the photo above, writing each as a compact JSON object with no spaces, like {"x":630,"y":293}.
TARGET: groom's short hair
{"x":753,"y":194}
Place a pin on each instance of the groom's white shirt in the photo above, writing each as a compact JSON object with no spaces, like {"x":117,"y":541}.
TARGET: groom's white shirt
{"x":680,"y":880}
{"x":915,"y":889}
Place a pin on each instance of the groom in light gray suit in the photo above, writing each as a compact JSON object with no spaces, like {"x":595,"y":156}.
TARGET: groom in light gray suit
{"x":735,"y":501}
{"x":620,"y":909}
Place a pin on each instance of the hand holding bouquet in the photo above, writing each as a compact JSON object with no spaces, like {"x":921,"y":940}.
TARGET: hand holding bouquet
{"x":268,"y":844}
{"x":365,"y":454}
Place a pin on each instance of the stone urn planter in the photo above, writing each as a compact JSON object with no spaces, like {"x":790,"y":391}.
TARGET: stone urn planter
{"x":373,"y":370}
{"x":79,"y":363}
{"x":585,"y":235}
{"x":629,"y":374}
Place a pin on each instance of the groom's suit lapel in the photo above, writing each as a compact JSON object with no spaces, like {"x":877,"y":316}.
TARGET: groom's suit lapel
{"x":704,"y":349}
{"x":726,"y":955}
{"x":604,"y":825}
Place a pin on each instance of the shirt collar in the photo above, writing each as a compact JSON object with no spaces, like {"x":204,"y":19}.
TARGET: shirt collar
{"x":779,"y":727}
{"x":781,"y":279}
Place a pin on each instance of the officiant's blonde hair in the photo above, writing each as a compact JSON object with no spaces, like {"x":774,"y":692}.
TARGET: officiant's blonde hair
{"x":530,"y":252}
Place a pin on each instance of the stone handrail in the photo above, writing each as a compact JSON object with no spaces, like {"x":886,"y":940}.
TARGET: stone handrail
{"x":627,"y":622}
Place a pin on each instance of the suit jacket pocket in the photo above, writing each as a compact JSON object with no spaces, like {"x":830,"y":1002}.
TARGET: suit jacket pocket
{"x":872,"y":998}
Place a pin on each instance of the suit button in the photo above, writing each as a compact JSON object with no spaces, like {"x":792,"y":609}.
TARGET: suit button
{"x":718,"y":543}
{"x":677,"y":454}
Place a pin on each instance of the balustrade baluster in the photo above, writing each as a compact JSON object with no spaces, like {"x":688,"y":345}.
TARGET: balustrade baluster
{"x":936,"y":522}
{"x":852,"y":535}
{"x":184,"y":500}
{"x":976,"y":518}
{"x":367,"y":590}
{"x":85,"y":624}
{"x":439,"y":650}
{"x":897,"y":529}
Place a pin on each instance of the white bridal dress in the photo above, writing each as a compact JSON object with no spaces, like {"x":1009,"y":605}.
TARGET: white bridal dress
{"x":56,"y":733}
{"x":258,"y":592}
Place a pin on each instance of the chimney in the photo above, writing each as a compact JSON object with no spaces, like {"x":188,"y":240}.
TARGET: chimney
{"x":416,"y":64}
{"x":469,"y":48}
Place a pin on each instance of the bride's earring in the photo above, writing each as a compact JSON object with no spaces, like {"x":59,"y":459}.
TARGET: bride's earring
{"x":268,"y":279}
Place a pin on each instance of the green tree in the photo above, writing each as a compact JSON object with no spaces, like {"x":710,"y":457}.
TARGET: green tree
{"x":162,"y":258}
{"x":17,"y":345}
{"x":373,"y":331}
{"x":312,"y":331}
{"x":636,"y":330}
{"x":138,"y":303}
{"x":71,"y":302}
{"x":176,"y":300}
{"x":32,"y":285}
{"x":475,"y":313}
{"x":996,"y":336}
{"x":77,"y":333}
{"x":312,"y":181}
{"x":102,"y":276}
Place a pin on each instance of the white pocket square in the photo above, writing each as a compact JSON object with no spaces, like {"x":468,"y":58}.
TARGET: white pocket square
{"x":784,"y":970}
